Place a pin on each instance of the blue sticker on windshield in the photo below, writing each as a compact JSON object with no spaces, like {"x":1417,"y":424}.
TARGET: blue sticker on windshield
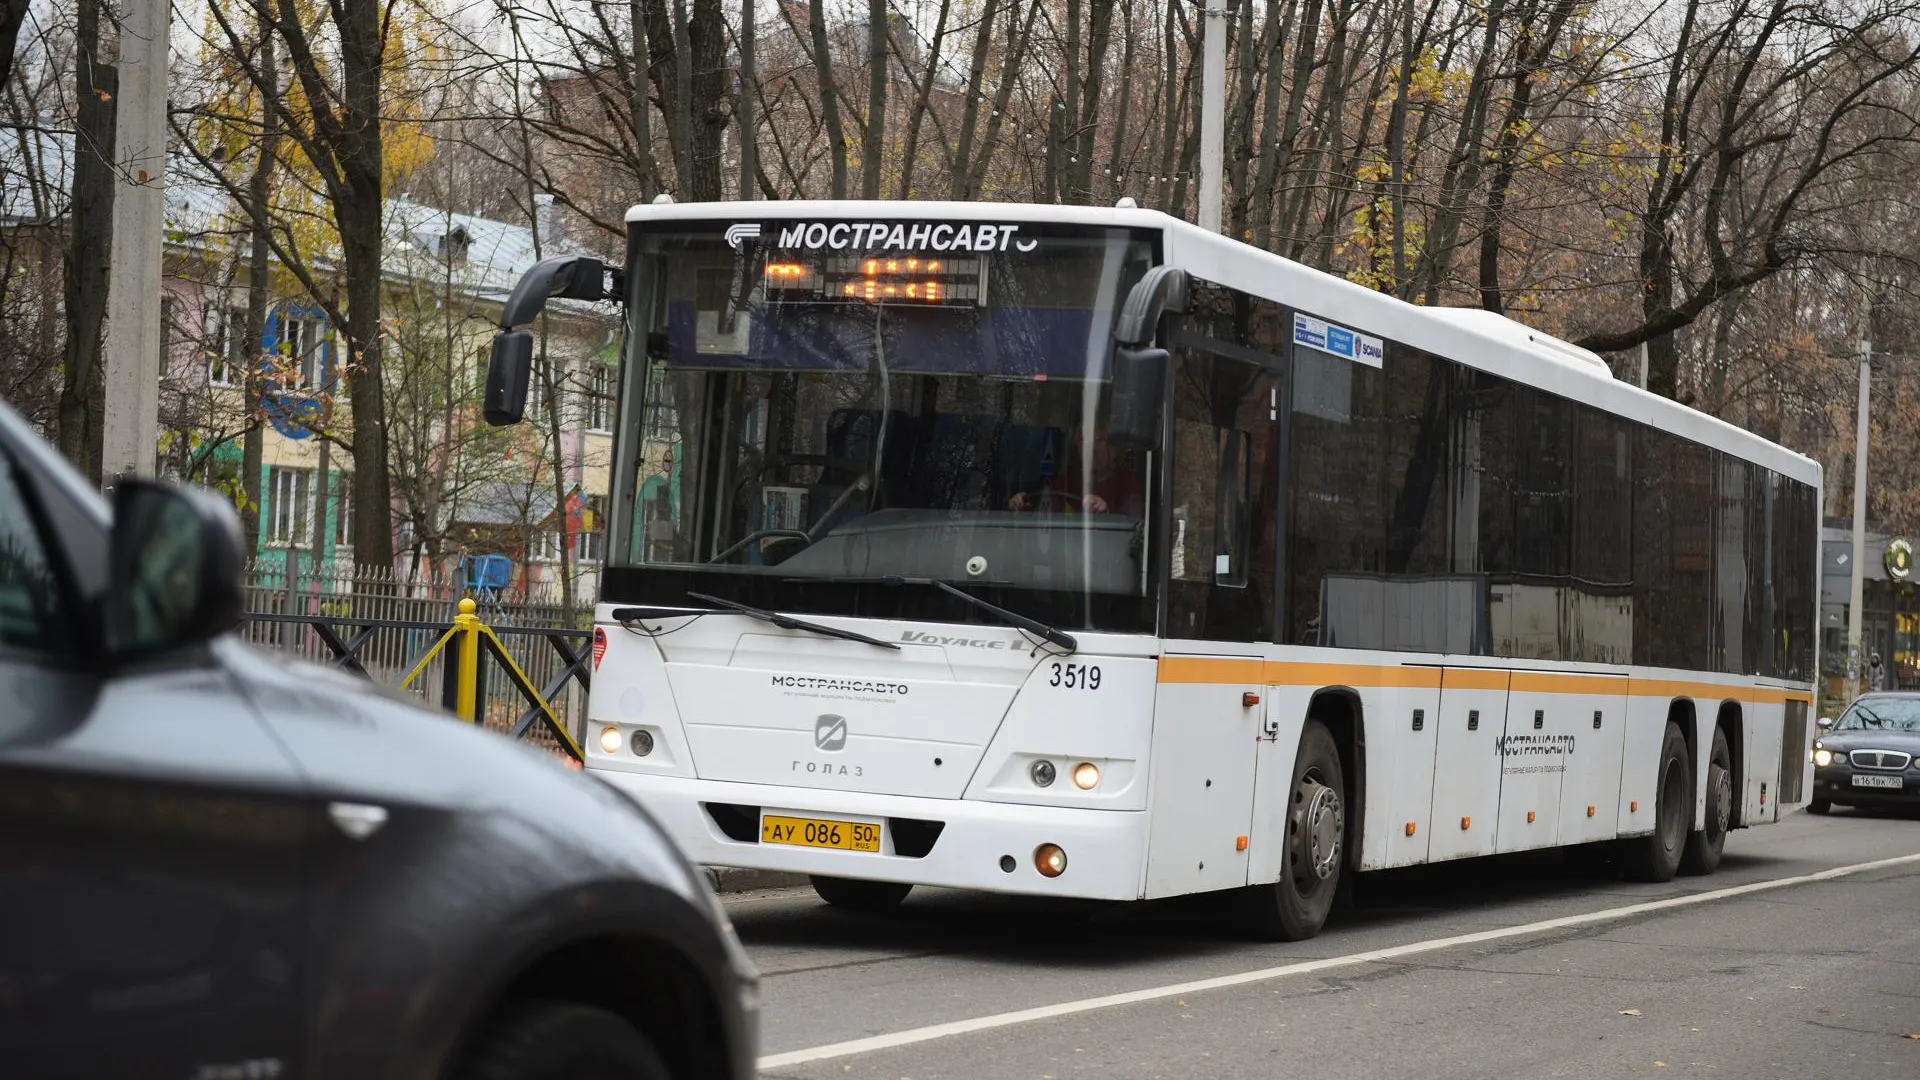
{"x":1338,"y":340}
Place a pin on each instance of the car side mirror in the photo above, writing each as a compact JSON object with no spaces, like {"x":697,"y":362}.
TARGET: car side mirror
{"x":177,"y":568}
{"x":1824,"y":722}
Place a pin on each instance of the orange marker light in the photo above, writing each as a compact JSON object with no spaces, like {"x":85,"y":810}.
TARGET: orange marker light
{"x":1240,"y":842}
{"x":1633,"y":807}
{"x":1529,"y":817}
{"x":1589,"y":811}
{"x":1409,"y":828}
{"x":1466,"y":823}
{"x":1249,"y":700}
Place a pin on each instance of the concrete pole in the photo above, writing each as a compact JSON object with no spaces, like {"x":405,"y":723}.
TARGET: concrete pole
{"x":1213,"y":105}
{"x":1856,"y":600}
{"x":131,"y":360}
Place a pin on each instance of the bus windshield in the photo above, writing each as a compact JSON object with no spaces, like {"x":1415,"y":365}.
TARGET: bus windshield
{"x":825,"y":407}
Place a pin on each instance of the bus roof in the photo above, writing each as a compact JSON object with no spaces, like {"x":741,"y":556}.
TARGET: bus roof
{"x":1469,"y":336}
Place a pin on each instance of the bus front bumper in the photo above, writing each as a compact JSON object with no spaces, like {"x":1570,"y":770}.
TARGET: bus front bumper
{"x":948,"y":843}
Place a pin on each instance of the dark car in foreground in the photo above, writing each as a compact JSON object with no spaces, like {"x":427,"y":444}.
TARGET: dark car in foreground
{"x":217,"y":863}
{"x":1870,"y":756}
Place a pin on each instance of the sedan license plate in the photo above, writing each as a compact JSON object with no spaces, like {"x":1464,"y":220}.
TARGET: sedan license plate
{"x":1876,"y":781}
{"x":820,"y":832}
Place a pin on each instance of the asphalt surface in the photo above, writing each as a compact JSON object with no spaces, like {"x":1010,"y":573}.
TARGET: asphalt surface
{"x":1812,"y":979}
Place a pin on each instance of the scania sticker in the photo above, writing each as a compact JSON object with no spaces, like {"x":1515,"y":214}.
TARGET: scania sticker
{"x":891,"y":236}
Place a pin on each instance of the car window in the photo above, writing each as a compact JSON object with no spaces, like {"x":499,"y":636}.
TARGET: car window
{"x":34,"y":614}
{"x":1881,"y":714}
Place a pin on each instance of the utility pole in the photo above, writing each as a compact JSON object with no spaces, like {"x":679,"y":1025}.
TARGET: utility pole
{"x":1213,"y":105}
{"x":1856,"y":600}
{"x":131,"y":359}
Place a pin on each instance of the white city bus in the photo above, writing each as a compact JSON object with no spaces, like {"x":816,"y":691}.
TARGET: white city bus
{"x":1082,"y":552}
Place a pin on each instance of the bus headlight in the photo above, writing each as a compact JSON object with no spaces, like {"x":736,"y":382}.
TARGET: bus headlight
{"x":609,"y":740}
{"x":1823,"y":758}
{"x":1086,"y":776}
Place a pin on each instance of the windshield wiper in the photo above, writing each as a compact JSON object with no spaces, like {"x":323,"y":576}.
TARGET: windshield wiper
{"x":1011,"y":618}
{"x":787,"y":622}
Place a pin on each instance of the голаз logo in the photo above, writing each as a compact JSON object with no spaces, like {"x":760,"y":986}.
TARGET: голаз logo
{"x":830,"y":732}
{"x":738,"y":233}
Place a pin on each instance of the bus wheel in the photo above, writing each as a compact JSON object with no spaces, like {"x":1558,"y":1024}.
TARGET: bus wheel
{"x":870,"y":897}
{"x":1656,"y":856}
{"x":1295,"y":907}
{"x":1702,"y":855}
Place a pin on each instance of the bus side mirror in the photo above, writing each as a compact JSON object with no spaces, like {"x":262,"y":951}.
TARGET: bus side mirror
{"x":1139,"y":396}
{"x":509,"y":369}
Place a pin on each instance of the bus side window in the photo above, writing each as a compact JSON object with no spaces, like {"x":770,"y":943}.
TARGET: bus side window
{"x":1233,"y":508}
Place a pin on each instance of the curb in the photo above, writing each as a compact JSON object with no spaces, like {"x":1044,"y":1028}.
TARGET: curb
{"x":733,"y":879}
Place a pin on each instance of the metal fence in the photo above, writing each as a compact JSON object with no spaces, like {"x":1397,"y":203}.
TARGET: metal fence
{"x":379,"y":624}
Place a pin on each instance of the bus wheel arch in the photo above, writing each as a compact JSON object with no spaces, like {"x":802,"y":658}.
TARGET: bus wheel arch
{"x":1340,"y":710}
{"x":1316,"y":836}
{"x":1656,"y":856}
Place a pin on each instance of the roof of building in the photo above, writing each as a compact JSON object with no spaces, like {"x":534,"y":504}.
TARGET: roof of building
{"x":200,"y":212}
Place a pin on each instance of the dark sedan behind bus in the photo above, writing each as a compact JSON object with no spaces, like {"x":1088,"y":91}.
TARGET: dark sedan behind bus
{"x":1870,"y":756}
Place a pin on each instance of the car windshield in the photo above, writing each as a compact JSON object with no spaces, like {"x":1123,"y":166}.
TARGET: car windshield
{"x":834,"y":402}
{"x":1881,"y":714}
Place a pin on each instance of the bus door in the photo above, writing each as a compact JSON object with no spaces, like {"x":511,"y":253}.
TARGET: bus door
{"x":1467,"y":762}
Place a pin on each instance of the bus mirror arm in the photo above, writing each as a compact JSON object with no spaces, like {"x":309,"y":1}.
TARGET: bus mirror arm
{"x":1139,"y":365}
{"x":510,"y":365}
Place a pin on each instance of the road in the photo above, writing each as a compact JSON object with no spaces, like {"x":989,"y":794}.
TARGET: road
{"x":1563,"y":971}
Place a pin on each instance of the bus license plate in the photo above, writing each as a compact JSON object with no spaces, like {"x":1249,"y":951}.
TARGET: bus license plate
{"x":820,"y":832}
{"x":1876,"y":781}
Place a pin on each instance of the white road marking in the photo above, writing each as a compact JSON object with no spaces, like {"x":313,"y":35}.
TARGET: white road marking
{"x":1307,"y":967}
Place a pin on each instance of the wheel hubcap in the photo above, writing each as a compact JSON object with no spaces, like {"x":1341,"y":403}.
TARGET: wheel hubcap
{"x":1723,"y":799}
{"x":1319,"y":822}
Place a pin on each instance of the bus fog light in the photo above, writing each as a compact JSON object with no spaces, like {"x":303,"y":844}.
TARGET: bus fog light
{"x":1042,"y":773}
{"x":1050,"y":860}
{"x":642,"y":742}
{"x":610,"y":740}
{"x":1086,"y":776}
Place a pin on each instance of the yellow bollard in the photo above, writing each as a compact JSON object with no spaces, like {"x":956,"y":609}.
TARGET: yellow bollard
{"x":466,"y":628}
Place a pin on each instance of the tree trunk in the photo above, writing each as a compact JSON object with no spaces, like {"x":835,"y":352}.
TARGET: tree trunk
{"x":361,"y":159}
{"x":12,"y":14}
{"x":253,"y":327}
{"x":923,"y":101}
{"x":749,"y":129}
{"x":90,"y":239}
{"x":712,"y":90}
{"x":1116,"y":172}
{"x":1019,"y":36}
{"x":873,"y":141}
{"x":639,"y":107}
{"x":959,"y":167}
{"x":1099,"y":40}
{"x":829,"y":100}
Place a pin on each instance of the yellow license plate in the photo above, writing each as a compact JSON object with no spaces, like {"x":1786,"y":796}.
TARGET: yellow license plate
{"x":820,"y":832}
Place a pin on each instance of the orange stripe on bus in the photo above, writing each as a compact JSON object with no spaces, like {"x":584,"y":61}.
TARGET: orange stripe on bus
{"x":1243,"y":670}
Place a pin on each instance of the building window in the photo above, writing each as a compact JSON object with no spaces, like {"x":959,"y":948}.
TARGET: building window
{"x":343,"y":510}
{"x":590,"y":543}
{"x":290,"y":506}
{"x":302,"y":350}
{"x":544,"y":546}
{"x":599,"y":397}
{"x":227,"y":353}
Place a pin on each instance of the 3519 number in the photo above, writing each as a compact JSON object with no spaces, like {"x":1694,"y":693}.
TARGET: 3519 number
{"x":1076,"y":676}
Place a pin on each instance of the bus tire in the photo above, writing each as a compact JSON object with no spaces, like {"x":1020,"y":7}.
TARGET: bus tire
{"x":867,"y":897}
{"x":1702,"y":855}
{"x":1656,"y":856}
{"x":1295,"y":907}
